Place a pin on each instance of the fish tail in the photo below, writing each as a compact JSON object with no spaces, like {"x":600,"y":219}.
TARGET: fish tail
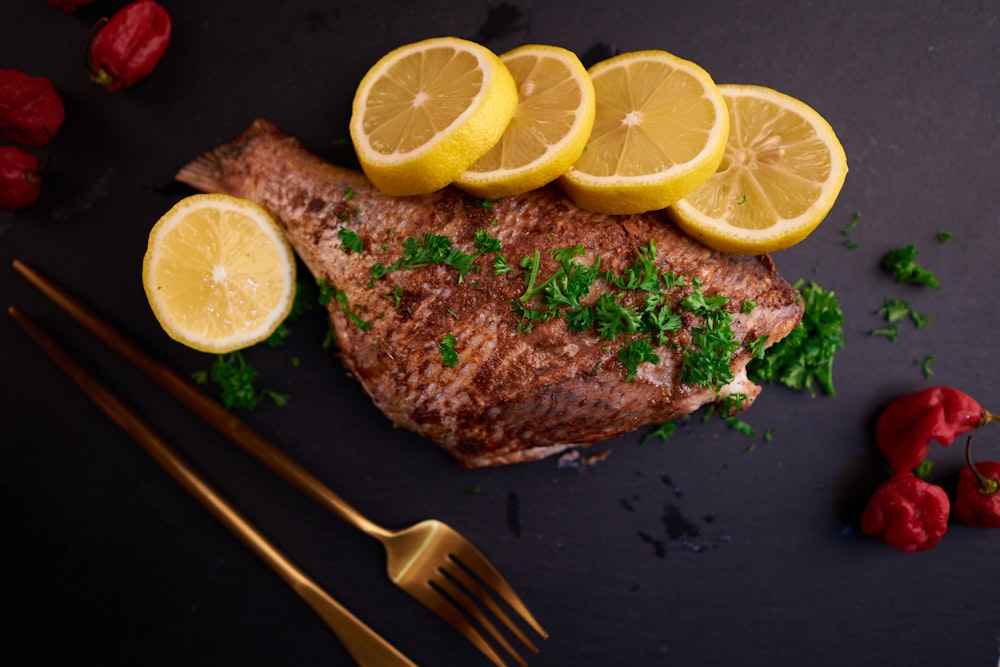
{"x":208,"y":172}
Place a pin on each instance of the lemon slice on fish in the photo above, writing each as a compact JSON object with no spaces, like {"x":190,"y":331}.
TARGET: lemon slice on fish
{"x":425,"y":112}
{"x":781,"y":174}
{"x":659,"y":132}
{"x":218,"y":273}
{"x":555,"y":113}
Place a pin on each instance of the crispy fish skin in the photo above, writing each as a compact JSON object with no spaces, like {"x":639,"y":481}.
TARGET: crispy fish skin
{"x":512,"y":396}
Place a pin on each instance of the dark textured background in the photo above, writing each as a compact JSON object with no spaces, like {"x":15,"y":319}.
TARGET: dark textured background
{"x":712,"y":549}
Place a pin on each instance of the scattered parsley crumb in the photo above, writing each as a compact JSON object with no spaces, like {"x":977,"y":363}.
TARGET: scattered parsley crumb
{"x":902,"y":264}
{"x":944,"y":237}
{"x":891,"y":332}
{"x":925,"y":365}
{"x":663,"y":432}
{"x":474,"y":490}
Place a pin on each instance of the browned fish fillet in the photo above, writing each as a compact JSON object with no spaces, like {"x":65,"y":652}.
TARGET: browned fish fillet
{"x":520,"y":389}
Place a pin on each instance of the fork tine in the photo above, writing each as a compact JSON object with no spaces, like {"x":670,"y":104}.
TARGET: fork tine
{"x":470,"y":557}
{"x":455,"y":592}
{"x":434,"y":600}
{"x":464,"y":580}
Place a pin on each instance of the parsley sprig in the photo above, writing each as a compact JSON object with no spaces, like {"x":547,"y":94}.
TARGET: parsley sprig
{"x":432,"y":249}
{"x":902,"y":264}
{"x":806,"y":354}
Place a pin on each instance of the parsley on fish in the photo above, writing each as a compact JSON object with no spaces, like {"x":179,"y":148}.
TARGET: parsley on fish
{"x":350,"y":239}
{"x":432,"y":249}
{"x":902,"y":264}
{"x":634,"y":353}
{"x":449,"y":357}
{"x":806,"y":355}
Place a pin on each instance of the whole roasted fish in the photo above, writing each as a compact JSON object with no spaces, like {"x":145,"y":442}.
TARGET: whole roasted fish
{"x":510,"y":330}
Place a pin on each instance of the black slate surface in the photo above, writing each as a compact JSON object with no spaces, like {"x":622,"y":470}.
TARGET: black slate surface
{"x":712,"y":549}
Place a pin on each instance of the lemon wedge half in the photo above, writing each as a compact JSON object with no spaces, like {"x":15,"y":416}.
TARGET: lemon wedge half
{"x":218,"y":273}
{"x":783,"y":169}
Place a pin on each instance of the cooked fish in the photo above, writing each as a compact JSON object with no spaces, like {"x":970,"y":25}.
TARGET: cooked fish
{"x":440,"y":314}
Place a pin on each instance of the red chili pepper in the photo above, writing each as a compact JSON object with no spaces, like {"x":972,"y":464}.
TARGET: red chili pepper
{"x":31,"y":111}
{"x":128,"y":47}
{"x":907,"y":425}
{"x":907,"y":513}
{"x":977,"y":499}
{"x":69,"y":6}
{"x":20,"y":179}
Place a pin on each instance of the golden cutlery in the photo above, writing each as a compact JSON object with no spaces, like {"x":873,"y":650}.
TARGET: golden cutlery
{"x":363,"y":643}
{"x":429,"y":560}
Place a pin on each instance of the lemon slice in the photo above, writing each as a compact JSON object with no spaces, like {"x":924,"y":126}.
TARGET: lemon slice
{"x":780,"y":176}
{"x":425,"y":112}
{"x":555,"y":113}
{"x":218,"y":273}
{"x":659,"y":132}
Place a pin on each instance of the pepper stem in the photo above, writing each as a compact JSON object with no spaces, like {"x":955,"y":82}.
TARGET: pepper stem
{"x":987,"y":485}
{"x":88,"y":61}
{"x":989,"y":417}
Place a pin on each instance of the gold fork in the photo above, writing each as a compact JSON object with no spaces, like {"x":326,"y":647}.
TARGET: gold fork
{"x":365,"y":645}
{"x":430,"y":560}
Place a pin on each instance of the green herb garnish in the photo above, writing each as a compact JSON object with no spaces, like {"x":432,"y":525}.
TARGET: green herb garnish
{"x":449,"y":357}
{"x":235,"y":377}
{"x":925,"y":366}
{"x":944,"y":237}
{"x":663,"y":432}
{"x":902,"y":264}
{"x":806,"y":354}
{"x":891,"y":332}
{"x":352,"y":242}
{"x":635,"y":353}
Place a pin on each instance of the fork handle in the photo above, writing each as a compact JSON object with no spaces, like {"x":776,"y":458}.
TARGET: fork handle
{"x":211,"y":411}
{"x":364,"y":644}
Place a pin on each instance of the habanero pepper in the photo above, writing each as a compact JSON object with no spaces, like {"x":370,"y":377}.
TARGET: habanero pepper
{"x":20,"y":179}
{"x":907,"y":513}
{"x":977,"y":498}
{"x":31,"y":111}
{"x":907,"y":425}
{"x":128,"y":46}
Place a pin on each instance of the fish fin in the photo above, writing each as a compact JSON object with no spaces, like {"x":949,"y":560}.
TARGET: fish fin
{"x":203,"y":173}
{"x":208,"y":172}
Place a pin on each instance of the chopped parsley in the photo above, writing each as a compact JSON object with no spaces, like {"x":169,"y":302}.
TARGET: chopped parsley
{"x":849,"y":244}
{"x":449,"y":357}
{"x":706,"y":361}
{"x":352,"y":242}
{"x":891,"y":332}
{"x":806,"y":355}
{"x":920,"y":320}
{"x":635,"y":353}
{"x":944,"y":237}
{"x":894,"y":310}
{"x":923,"y":469}
{"x":925,"y":366}
{"x":235,"y":377}
{"x":902,"y":264}
{"x":663,"y":432}
{"x":432,"y":249}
